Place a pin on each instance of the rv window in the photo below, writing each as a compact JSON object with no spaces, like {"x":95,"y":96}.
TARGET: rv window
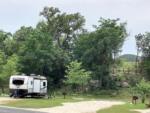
{"x":18,"y":82}
{"x":44,"y":83}
{"x":31,"y":82}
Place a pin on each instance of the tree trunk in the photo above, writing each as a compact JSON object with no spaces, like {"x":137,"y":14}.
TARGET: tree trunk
{"x":2,"y":89}
{"x":100,"y":82}
{"x":143,"y":100}
{"x":82,"y":88}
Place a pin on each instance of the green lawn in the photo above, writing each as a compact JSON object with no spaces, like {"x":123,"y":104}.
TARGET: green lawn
{"x":41,"y":103}
{"x":126,"y":108}
{"x":58,"y":100}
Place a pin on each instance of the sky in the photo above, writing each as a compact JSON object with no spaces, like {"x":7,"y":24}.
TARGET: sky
{"x":17,"y":13}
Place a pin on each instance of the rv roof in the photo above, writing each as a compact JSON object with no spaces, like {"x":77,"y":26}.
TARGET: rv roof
{"x":38,"y":77}
{"x":25,"y":76}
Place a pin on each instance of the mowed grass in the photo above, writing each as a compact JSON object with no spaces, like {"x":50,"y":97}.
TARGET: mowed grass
{"x":58,"y":100}
{"x":126,"y":108}
{"x":41,"y":103}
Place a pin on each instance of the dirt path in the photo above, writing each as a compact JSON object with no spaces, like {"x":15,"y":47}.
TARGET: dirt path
{"x":143,"y":111}
{"x":4,"y":100}
{"x":81,"y":107}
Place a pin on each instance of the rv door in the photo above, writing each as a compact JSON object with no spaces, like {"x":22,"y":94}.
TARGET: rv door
{"x":36,"y":88}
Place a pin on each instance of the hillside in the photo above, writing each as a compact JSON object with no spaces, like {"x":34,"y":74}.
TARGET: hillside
{"x":128,"y":57}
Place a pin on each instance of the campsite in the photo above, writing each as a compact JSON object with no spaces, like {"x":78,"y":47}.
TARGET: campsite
{"x":76,"y":56}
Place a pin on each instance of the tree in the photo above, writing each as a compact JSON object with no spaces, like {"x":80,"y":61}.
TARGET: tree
{"x":143,"y":88}
{"x":38,"y":55}
{"x":2,"y":62}
{"x":3,"y":37}
{"x":8,"y":67}
{"x":76,"y":75}
{"x":97,"y":50}
{"x":35,"y":53}
{"x":63,"y":27}
{"x":20,"y":36}
{"x":10,"y":46}
{"x":138,"y":39}
{"x":143,"y":46}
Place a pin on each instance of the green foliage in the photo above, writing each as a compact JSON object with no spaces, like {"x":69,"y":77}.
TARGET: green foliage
{"x":2,"y":62}
{"x":10,"y":46}
{"x":58,"y":40}
{"x":143,"y":46}
{"x":128,"y":57}
{"x":2,"y":59}
{"x":35,"y":52}
{"x":126,"y":72}
{"x":97,"y":50}
{"x":38,"y":55}
{"x":20,"y":36}
{"x":126,"y":108}
{"x":76,"y":74}
{"x":126,"y":65}
{"x":3,"y":37}
{"x":63,"y":27}
{"x":143,"y":88}
{"x":10,"y":67}
{"x":36,"y":103}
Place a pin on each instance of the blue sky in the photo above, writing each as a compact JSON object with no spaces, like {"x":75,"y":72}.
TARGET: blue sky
{"x":16,"y":13}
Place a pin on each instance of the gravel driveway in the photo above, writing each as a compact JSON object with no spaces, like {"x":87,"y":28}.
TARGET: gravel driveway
{"x":143,"y":111}
{"x":81,"y":107}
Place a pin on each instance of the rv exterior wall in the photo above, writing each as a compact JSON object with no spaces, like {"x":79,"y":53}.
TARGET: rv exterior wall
{"x":36,"y":86}
{"x":13,"y":86}
{"x":32,"y":85}
{"x":43,"y":86}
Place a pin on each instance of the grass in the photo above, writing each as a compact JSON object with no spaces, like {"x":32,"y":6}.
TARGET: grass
{"x":126,"y":108}
{"x":58,"y":100}
{"x":41,"y":103}
{"x":122,"y":95}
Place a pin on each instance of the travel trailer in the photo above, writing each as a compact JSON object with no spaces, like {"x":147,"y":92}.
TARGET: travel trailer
{"x":23,"y":85}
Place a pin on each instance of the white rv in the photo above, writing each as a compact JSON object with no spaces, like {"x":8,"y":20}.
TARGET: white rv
{"x":22,"y":85}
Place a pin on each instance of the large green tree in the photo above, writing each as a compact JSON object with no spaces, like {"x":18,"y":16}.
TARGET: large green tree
{"x":19,"y":37}
{"x":62,"y":27}
{"x":2,"y":62}
{"x":143,"y":47}
{"x":98,"y":49}
{"x":4,"y":37}
{"x":7,"y":62}
{"x":8,"y":67}
{"x":38,"y":55}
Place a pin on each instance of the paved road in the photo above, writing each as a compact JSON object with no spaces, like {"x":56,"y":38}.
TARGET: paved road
{"x":12,"y":110}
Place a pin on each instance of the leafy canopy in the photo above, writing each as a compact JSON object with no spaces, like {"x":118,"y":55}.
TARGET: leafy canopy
{"x":98,"y":49}
{"x":75,"y":74}
{"x":63,"y":27}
